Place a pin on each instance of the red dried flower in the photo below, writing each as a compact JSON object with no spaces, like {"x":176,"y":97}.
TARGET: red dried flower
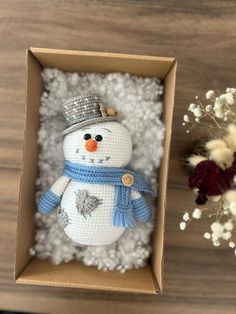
{"x":210,"y":180}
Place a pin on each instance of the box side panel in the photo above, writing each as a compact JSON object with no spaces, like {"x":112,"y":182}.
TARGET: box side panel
{"x":82,"y":61}
{"x":158,"y":237}
{"x":25,"y":220}
{"x":77,"y":275}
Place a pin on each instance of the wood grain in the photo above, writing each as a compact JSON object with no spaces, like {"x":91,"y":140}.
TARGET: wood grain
{"x":202,"y":36}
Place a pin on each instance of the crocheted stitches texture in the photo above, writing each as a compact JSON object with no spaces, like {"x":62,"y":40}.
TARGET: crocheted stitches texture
{"x":114,"y":150}
{"x":129,"y":94}
{"x":123,"y":208}
{"x":105,"y":175}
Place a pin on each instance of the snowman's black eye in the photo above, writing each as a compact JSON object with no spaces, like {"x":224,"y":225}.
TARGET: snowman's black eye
{"x":87,"y":136}
{"x":98,"y":138}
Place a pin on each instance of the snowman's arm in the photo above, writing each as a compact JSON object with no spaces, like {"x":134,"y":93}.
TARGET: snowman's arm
{"x":52,"y":197}
{"x":141,"y":210}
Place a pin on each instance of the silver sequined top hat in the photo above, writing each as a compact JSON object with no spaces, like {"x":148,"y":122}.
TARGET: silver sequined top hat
{"x":84,"y":110}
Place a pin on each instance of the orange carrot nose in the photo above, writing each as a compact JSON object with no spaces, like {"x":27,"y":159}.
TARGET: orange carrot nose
{"x":91,"y":145}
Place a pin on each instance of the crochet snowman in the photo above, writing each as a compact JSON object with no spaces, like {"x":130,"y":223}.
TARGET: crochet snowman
{"x":96,"y":197}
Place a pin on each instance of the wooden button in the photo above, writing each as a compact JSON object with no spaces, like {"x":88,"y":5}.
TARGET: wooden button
{"x":127,"y":179}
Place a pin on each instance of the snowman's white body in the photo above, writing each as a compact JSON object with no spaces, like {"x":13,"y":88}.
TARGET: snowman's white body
{"x":114,"y":150}
{"x":95,"y":228}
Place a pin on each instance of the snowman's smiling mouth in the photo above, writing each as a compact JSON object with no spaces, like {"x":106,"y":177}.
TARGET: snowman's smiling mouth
{"x":93,"y":160}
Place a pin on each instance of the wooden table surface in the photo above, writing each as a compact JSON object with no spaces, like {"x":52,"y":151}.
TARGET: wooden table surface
{"x":202,"y":36}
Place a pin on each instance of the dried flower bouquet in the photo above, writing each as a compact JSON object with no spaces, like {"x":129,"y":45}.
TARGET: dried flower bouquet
{"x":213,"y":167}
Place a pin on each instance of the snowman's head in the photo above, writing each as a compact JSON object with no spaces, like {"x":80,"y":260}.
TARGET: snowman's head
{"x":106,"y":144}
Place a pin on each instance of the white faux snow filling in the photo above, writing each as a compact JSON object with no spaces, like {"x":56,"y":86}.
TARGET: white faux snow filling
{"x":138,"y":101}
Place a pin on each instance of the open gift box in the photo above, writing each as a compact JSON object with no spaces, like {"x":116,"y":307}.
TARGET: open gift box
{"x":30,"y":270}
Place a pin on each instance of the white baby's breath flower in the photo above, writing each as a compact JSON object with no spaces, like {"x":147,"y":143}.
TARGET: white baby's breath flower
{"x":229,"y":99}
{"x":192,"y":107}
{"x":216,"y":243}
{"x":235,"y":251}
{"x":229,"y":225}
{"x":186,"y":216}
{"x":232,"y":208}
{"x":207,"y":235}
{"x":210,"y":94}
{"x":217,"y":227}
{"x":219,"y":114}
{"x":231,"y":90}
{"x":209,"y":108}
{"x":187,"y":131}
{"x":197,"y":112}
{"x":182,"y":225}
{"x":186,"y":118}
{"x":223,"y":98}
{"x":197,"y":120}
{"x":183,"y":124}
{"x":232,"y":244}
{"x":218,"y":104}
{"x":227,"y":235}
{"x":197,"y":213}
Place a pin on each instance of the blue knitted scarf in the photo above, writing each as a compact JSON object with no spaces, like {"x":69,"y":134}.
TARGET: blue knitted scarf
{"x":122,"y":213}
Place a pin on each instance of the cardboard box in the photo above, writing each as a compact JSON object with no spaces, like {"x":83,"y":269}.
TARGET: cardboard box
{"x":30,"y":270}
